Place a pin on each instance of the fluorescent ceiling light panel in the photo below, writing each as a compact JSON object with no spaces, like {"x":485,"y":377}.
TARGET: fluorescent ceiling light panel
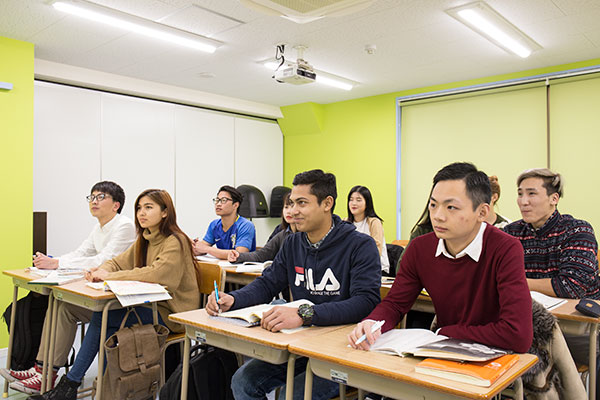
{"x":490,"y":24}
{"x":132,"y":23}
{"x":324,"y":78}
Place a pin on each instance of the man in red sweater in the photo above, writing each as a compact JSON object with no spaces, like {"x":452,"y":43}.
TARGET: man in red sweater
{"x":473,"y":272}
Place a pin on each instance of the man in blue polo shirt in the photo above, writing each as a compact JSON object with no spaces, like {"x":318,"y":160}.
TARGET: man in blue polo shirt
{"x":231,"y":231}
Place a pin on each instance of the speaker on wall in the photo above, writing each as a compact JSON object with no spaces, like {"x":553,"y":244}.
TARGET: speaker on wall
{"x":254,"y":204}
{"x":39,"y":232}
{"x":276,"y":205}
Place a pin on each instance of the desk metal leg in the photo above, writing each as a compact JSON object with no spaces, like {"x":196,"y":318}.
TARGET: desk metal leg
{"x":154,"y":313}
{"x":592,"y":360}
{"x":13,"y":312}
{"x":185,"y":368}
{"x":101,"y":350}
{"x":342,"y":391}
{"x":289,"y":382}
{"x":48,"y":369}
{"x":361,"y":394}
{"x":308,"y":382}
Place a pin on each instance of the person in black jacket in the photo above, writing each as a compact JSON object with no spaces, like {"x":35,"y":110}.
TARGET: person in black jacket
{"x":270,"y":250}
{"x":327,"y":262}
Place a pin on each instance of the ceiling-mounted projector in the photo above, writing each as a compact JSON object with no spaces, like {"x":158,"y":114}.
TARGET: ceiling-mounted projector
{"x":295,"y":74}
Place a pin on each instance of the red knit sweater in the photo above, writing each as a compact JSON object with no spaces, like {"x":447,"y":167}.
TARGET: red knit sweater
{"x":486,"y":301}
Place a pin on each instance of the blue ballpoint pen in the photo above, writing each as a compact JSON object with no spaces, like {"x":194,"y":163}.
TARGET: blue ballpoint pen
{"x":217,"y":296}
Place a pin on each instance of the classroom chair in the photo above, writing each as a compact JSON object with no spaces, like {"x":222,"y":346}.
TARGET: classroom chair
{"x":209,"y":273}
{"x":399,"y":242}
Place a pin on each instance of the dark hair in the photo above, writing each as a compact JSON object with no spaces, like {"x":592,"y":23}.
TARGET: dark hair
{"x":115,"y":191}
{"x":286,"y":202}
{"x":321,"y":184}
{"x":369,"y":208}
{"x":477,"y":185}
{"x":168,"y":226}
{"x":477,"y":182}
{"x":235,"y":194}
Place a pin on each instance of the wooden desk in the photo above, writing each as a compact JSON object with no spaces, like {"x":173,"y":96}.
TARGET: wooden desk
{"x":393,"y":376}
{"x":253,"y":342}
{"x":21,"y":279}
{"x":231,"y":276}
{"x":573,"y":322}
{"x":570,"y":320}
{"x":79,"y":294}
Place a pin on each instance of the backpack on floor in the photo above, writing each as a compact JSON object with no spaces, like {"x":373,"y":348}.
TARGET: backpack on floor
{"x":27,"y":335}
{"x":210,"y":375}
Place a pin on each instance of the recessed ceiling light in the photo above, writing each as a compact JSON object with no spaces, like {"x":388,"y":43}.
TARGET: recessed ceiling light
{"x":486,"y":21}
{"x":132,"y":23}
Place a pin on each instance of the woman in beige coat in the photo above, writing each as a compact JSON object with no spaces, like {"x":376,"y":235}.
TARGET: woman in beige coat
{"x":161,"y":254}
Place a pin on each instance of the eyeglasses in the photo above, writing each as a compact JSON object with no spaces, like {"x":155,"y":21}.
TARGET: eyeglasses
{"x":99,"y":197}
{"x":222,"y":200}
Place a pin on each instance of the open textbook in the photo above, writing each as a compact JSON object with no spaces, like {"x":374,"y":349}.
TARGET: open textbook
{"x":425,"y":343}
{"x":548,"y":302}
{"x":56,"y":276}
{"x":251,"y":316}
{"x":248,"y":266}
{"x":483,"y":373}
{"x":131,"y":293}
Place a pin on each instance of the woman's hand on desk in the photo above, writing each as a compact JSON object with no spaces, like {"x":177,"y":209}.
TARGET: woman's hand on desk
{"x":225,"y":303}
{"x":97,"y":275}
{"x":364,"y":327}
{"x":281,"y":317}
{"x":233,"y":255}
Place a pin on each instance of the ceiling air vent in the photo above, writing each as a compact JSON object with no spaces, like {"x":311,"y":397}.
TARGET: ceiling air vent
{"x":303,"y":11}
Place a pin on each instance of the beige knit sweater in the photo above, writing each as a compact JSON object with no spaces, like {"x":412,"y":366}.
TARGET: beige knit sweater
{"x":167,"y":264}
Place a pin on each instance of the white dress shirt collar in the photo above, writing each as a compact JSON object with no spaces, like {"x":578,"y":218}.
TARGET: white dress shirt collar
{"x":473,"y":250}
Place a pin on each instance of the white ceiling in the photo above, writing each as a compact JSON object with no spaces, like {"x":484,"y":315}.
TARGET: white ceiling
{"x":418,"y":44}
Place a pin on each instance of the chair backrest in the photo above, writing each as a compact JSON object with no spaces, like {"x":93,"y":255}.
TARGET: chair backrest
{"x":210,"y":273}
{"x":399,"y":242}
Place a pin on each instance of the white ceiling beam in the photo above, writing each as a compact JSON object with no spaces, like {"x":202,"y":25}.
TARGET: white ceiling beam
{"x":68,"y":74}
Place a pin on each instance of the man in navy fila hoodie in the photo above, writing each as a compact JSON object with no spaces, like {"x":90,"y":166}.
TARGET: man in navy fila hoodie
{"x":327,"y":262}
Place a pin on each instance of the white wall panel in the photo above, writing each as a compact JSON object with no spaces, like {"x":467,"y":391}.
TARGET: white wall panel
{"x":259,"y":162}
{"x":204,"y":143}
{"x":66,"y":161}
{"x":138,"y":145}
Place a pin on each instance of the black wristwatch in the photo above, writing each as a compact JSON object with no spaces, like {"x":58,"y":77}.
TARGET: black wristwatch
{"x":306,"y":312}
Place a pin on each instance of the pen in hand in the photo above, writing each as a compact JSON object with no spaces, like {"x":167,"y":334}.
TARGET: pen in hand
{"x":217,"y":296}
{"x":374,"y":328}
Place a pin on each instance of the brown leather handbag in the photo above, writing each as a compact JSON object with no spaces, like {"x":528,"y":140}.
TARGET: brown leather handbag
{"x":133,"y":361}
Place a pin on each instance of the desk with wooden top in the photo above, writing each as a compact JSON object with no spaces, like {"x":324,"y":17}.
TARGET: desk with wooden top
{"x":21,"y":279}
{"x":232,"y":276}
{"x":79,"y":294}
{"x":570,"y":320}
{"x":573,"y":322}
{"x":331,"y":358}
{"x":254,"y":342}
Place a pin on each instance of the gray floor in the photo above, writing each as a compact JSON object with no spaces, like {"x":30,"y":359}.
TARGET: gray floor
{"x":89,"y":377}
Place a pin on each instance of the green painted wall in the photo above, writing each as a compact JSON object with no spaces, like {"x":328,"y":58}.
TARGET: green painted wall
{"x":356,"y":140}
{"x":16,"y":163}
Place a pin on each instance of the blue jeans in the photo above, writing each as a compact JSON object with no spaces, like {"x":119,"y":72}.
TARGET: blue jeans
{"x":91,"y":341}
{"x":255,"y":379}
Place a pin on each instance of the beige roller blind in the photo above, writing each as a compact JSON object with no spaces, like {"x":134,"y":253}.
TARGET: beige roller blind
{"x":575,"y":145}
{"x":503,"y":132}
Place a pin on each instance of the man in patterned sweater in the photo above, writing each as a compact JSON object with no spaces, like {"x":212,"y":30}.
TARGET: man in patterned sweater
{"x":560,"y":251}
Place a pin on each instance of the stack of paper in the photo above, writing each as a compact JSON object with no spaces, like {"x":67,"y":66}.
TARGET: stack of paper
{"x":130,"y":293}
{"x":59,"y":277}
{"x":548,"y":302}
{"x":206,"y":257}
{"x":248,"y":266}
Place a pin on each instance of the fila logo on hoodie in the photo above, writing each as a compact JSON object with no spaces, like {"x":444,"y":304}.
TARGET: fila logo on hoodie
{"x":329,"y":284}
